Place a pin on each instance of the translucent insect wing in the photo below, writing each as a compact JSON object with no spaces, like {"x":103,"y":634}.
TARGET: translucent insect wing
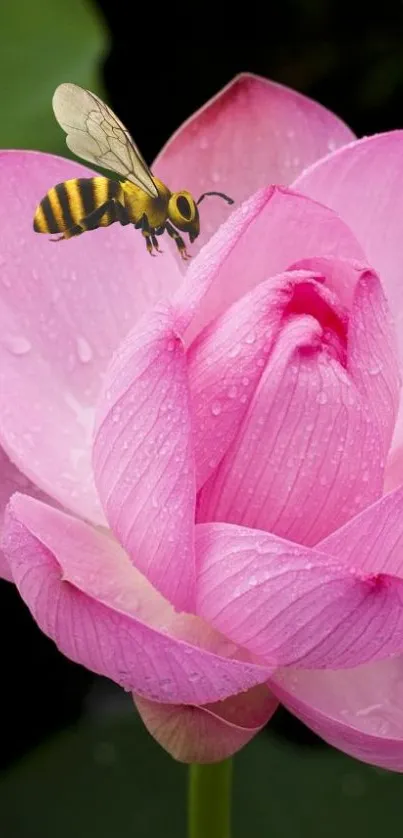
{"x":95,"y":134}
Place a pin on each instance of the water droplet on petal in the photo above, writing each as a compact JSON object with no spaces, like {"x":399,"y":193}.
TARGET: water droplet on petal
{"x":216,"y":408}
{"x":250,"y":338}
{"x":84,"y":350}
{"x":17,"y":344}
{"x":232,"y":392}
{"x":321,"y":398}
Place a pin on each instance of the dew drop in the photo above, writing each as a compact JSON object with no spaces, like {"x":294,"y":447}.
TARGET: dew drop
{"x":250,"y":338}
{"x":216,"y":177}
{"x":166,"y":684}
{"x":216,"y":408}
{"x":84,"y":350}
{"x":321,"y":398}
{"x":17,"y":344}
{"x":245,"y":381}
{"x":232,"y":392}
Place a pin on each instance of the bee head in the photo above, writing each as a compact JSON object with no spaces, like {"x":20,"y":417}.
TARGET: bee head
{"x":183,"y":212}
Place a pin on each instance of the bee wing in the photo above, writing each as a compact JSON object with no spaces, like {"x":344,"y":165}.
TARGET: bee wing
{"x":97,"y":135}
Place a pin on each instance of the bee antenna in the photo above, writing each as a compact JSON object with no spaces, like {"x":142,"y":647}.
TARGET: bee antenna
{"x":219,"y":195}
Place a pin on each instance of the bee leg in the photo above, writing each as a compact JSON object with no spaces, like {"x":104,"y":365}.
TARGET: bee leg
{"x":178,"y":241}
{"x":59,"y":238}
{"x":159,"y":231}
{"x":112,"y":209}
{"x":121,"y":214}
{"x":144,"y":225}
{"x":155,"y":241}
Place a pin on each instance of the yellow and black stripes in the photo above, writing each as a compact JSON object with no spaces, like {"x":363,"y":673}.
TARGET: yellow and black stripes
{"x":80,"y":204}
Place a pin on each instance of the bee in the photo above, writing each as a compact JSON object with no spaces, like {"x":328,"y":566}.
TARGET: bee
{"x":71,"y":208}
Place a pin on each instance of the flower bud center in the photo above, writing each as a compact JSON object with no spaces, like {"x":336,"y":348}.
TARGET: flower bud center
{"x":313,"y":298}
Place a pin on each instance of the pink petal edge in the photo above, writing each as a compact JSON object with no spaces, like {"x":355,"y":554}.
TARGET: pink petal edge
{"x":143,"y":457}
{"x":216,"y":150}
{"x":11,"y":481}
{"x":373,"y":540}
{"x":358,"y":711}
{"x":272,"y":230}
{"x":76,"y":583}
{"x":52,"y":354}
{"x":363,"y":183}
{"x":292,"y":605}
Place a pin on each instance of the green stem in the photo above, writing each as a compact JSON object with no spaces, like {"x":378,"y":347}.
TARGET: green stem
{"x":210,"y":800}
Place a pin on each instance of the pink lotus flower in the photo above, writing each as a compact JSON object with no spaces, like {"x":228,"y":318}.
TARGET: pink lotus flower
{"x":221,"y":540}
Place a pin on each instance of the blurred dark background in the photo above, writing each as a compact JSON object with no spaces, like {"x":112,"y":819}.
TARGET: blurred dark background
{"x":155,"y":66}
{"x":347,"y":55}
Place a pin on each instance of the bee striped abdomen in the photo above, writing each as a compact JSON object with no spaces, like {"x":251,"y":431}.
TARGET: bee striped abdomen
{"x":67,"y":205}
